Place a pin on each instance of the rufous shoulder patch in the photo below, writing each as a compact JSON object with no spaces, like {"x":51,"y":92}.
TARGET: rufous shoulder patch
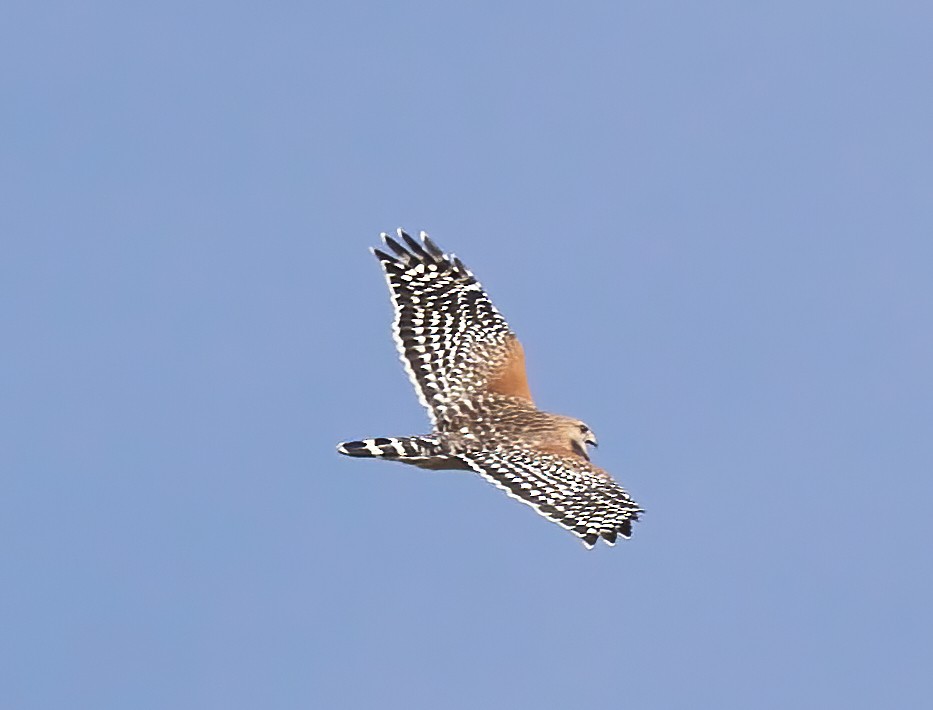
{"x":511,"y":379}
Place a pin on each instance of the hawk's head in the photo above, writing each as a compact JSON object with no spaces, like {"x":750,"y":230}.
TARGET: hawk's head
{"x":580,"y":435}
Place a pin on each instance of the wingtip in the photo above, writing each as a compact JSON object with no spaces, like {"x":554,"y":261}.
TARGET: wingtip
{"x":417,"y":248}
{"x":400,"y":251}
{"x":381,"y":256}
{"x":435,"y":250}
{"x":459,"y":265}
{"x":425,"y":249}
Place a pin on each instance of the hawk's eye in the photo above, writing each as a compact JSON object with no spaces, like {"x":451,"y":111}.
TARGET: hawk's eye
{"x":584,"y":428}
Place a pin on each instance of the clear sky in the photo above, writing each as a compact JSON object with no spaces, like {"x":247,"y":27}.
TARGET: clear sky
{"x":710,"y":223}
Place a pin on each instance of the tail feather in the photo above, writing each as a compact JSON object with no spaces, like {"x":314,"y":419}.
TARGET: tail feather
{"x":421,"y":451}
{"x":391,"y":447}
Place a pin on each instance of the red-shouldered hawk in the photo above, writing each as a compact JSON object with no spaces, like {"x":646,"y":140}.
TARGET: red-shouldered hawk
{"x":468,"y":369}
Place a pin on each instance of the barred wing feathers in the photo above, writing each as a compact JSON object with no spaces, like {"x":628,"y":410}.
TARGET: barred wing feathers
{"x":564,"y":489}
{"x":450,"y":337}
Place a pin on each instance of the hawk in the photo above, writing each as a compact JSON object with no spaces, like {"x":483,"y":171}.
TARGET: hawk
{"x":468,"y":369}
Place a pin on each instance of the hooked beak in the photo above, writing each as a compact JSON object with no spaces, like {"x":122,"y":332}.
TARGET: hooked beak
{"x":590,"y":439}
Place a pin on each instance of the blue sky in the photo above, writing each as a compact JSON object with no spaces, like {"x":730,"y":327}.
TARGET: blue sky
{"x":711,"y":224}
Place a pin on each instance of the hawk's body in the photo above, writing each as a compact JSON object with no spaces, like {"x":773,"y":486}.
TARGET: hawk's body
{"x":468,"y":369}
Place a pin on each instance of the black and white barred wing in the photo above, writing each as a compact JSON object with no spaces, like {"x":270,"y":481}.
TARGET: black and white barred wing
{"x":451,"y":338}
{"x":566,"y":490}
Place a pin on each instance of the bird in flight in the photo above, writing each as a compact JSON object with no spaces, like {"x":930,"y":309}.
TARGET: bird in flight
{"x":468,"y":370}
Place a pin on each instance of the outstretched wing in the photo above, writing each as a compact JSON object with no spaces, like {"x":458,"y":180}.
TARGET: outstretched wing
{"x":566,"y":490}
{"x":452,"y":340}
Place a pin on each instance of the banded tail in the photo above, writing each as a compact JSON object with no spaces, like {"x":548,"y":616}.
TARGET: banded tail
{"x":391,"y":447}
{"x":421,"y":451}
